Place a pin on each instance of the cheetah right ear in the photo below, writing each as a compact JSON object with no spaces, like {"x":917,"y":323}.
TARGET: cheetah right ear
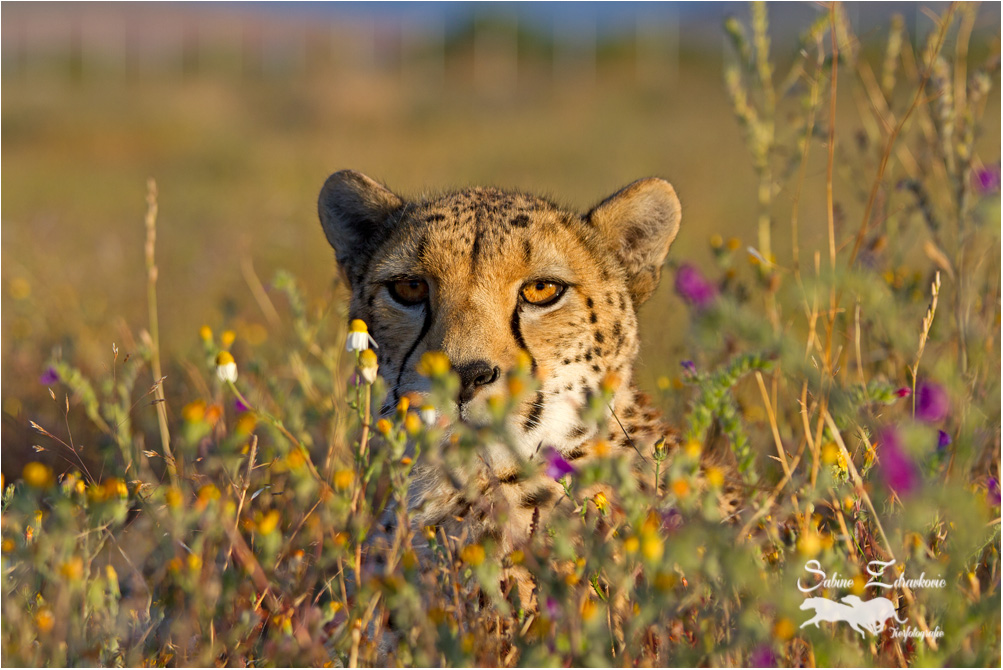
{"x":354,"y":210}
{"x":639,"y":223}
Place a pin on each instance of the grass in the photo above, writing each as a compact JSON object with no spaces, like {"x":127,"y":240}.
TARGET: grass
{"x":181,"y":517}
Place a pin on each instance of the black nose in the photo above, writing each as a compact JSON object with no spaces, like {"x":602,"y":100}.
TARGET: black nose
{"x":473,"y":376}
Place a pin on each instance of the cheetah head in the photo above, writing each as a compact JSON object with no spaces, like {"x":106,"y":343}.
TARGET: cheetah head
{"x":481,"y":274}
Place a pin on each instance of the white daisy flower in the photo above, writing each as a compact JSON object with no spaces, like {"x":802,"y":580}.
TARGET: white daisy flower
{"x":359,"y":338}
{"x":226,"y":367}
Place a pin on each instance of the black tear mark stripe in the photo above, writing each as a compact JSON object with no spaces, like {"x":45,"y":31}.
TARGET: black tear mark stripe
{"x":424,"y":331}
{"x":517,"y":334}
{"x":533,"y":420}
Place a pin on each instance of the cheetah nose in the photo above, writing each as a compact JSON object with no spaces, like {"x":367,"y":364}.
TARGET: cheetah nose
{"x":475,"y":375}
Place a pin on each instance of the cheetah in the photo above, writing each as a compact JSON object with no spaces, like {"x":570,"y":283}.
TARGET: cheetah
{"x":486,"y":276}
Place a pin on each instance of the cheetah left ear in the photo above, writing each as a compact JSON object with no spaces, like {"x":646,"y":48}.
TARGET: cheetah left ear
{"x":639,"y":222}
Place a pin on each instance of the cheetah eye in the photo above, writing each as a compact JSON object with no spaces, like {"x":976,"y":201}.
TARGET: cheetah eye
{"x":542,"y":292}
{"x":408,"y":291}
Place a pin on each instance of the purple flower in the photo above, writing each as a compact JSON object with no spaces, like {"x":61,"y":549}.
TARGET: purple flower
{"x":49,"y":377}
{"x":690,"y":368}
{"x":994,"y":491}
{"x":943,"y":440}
{"x":931,"y":402}
{"x":557,"y":467}
{"x":987,"y":180}
{"x":896,"y":467}
{"x":552,"y":606}
{"x":693,"y":287}
{"x":239,"y":405}
{"x":672,"y":520}
{"x":762,"y":657}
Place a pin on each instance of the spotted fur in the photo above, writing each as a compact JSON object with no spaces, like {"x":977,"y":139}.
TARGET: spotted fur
{"x":476,"y":248}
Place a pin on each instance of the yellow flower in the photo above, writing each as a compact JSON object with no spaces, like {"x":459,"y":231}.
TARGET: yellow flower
{"x":610,"y":382}
{"x":681,"y":488}
{"x":664,"y":383}
{"x":343,"y":479}
{"x":38,"y":475}
{"x":652,"y":547}
{"x":226,"y":367}
{"x":44,"y":620}
{"x":523,"y":361}
{"x":269,"y":522}
{"x":601,"y":501}
{"x":368,"y":365}
{"x":517,"y":557}
{"x":693,"y":449}
{"x":384,"y":426}
{"x":246,"y":423}
{"x":589,"y":609}
{"x":359,"y":338}
{"x":715,"y":477}
{"x":227,"y":338}
{"x":412,"y":424}
{"x":809,"y":544}
{"x":784,"y":629}
{"x":631,"y":544}
{"x":173,"y":497}
{"x":73,"y":569}
{"x":433,"y":364}
{"x":194,"y":562}
{"x":472,"y":554}
{"x":733,"y":243}
{"x":205,"y":332}
{"x":194,"y":411}
{"x":8,"y":545}
{"x":115,"y":487}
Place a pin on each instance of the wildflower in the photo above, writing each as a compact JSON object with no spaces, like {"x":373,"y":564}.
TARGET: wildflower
{"x":384,"y":426}
{"x":194,"y":411}
{"x":693,"y":287}
{"x":903,"y":392}
{"x":73,"y":569}
{"x":664,"y":383}
{"x":896,"y":467}
{"x":557,"y":467}
{"x":173,"y":497}
{"x":472,"y":554}
{"x":343,"y":479}
{"x":680,"y":488}
{"x":38,"y":475}
{"x":993,"y":485}
{"x":368,"y":365}
{"x":943,"y":440}
{"x":715,"y":477}
{"x":226,"y":367}
{"x":661,"y":452}
{"x":610,"y":382}
{"x":8,"y":545}
{"x":762,"y":657}
{"x":671,"y":520}
{"x":428,"y":414}
{"x":245,"y":424}
{"x":733,"y":243}
{"x":552,"y":607}
{"x":987,"y":180}
{"x":589,"y":609}
{"x":931,"y":402}
{"x":49,"y":377}
{"x":205,"y":333}
{"x":809,"y":544}
{"x":412,"y":424}
{"x":517,"y":557}
{"x":652,"y":547}
{"x":359,"y":338}
{"x":44,"y":620}
{"x":716,"y":241}
{"x":269,"y":522}
{"x":239,"y":405}
{"x":227,"y":338}
{"x":631,"y":544}
{"x":601,"y":501}
{"x":693,"y":449}
{"x":433,"y":364}
{"x":689,"y":367}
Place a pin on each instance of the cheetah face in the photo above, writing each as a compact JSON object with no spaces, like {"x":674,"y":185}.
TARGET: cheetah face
{"x":482,"y":274}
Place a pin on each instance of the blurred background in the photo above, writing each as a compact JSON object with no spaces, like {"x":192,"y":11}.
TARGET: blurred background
{"x":240,"y":110}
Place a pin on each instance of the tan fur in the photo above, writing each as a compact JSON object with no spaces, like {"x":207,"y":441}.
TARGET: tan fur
{"x":476,"y":249}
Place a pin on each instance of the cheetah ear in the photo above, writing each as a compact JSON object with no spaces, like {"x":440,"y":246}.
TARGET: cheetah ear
{"x":639,"y":222}
{"x":353,"y":212}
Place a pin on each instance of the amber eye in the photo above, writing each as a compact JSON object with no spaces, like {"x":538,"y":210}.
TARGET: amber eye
{"x":542,"y":292}
{"x":408,"y":291}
